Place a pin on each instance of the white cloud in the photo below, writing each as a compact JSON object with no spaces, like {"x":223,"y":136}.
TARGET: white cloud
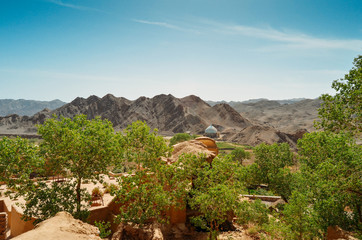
{"x":166,"y":25}
{"x":292,"y":39}
{"x":289,"y":39}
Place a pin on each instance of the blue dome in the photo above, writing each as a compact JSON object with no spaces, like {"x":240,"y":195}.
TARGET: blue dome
{"x":211,"y":129}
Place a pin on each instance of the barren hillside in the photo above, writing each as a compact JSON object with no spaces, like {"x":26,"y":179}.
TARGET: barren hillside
{"x":284,"y":115}
{"x":26,"y":107}
{"x":165,"y":112}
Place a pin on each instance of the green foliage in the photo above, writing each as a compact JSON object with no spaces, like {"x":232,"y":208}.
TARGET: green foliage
{"x":224,"y":145}
{"x":252,"y":212}
{"x":141,"y":146}
{"x":215,"y":192}
{"x":271,"y":161}
{"x":143,"y":198}
{"x":119,"y":169}
{"x":283,"y":183}
{"x":97,"y":192}
{"x":332,"y":172}
{"x":44,"y":200}
{"x":104,"y":228}
{"x":270,"y":158}
{"x":181,"y":137}
{"x":143,"y":194}
{"x":343,"y":111}
{"x":300,"y":217}
{"x":155,"y":186}
{"x":239,"y":154}
{"x":315,"y":148}
{"x":82,"y":148}
{"x":18,"y":161}
{"x":110,"y":188}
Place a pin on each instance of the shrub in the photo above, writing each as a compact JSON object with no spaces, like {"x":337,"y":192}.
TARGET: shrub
{"x":111,"y":188}
{"x":97,"y":192}
{"x":104,"y":228}
{"x":239,"y":154}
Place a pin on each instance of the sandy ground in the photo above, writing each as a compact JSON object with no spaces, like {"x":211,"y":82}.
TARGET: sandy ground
{"x":61,"y":226}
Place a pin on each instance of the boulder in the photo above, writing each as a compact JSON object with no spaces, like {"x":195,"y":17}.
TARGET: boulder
{"x":61,"y":226}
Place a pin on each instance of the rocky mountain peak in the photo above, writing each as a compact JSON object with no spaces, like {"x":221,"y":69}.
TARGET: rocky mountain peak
{"x":165,"y":112}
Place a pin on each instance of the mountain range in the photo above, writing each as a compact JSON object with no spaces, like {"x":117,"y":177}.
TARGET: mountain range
{"x":284,"y":115}
{"x":169,"y":115}
{"x":26,"y":107}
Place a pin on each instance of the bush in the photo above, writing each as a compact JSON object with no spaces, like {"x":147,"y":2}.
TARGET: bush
{"x":252,"y":212}
{"x":109,"y":188}
{"x":103,"y":227}
{"x":239,"y":154}
{"x":97,"y":192}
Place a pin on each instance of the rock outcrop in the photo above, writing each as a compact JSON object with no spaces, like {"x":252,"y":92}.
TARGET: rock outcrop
{"x":61,"y":226}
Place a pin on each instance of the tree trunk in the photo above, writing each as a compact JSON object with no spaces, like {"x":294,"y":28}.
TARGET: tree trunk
{"x":78,"y":194}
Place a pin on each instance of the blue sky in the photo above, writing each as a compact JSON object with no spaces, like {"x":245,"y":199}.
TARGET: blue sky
{"x":216,"y":49}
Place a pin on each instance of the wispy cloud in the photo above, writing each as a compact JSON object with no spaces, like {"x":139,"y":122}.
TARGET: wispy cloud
{"x":166,"y":25}
{"x":292,"y":39}
{"x":278,"y":39}
{"x":73,"y":6}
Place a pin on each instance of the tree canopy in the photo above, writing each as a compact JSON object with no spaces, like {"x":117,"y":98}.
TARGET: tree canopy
{"x":332,"y":173}
{"x":18,"y":161}
{"x":78,"y":147}
{"x":142,"y":194}
{"x":343,"y":111}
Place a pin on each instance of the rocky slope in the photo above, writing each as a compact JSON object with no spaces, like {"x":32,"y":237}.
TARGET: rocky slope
{"x":165,"y":112}
{"x":284,"y":115}
{"x":26,"y":107}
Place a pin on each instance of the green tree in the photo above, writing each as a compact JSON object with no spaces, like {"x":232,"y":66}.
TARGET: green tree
{"x":332,"y":172}
{"x":143,"y":198}
{"x":270,"y":158}
{"x":272,"y":161}
{"x":215,"y":193}
{"x":142,"y":146}
{"x":145,"y":194}
{"x":82,"y":148}
{"x":239,"y":154}
{"x":300,"y":217}
{"x":43,"y":200}
{"x":19,"y":160}
{"x":343,"y":111}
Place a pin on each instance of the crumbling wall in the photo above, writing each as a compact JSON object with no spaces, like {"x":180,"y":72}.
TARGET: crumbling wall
{"x":3,"y":225}
{"x":18,"y":225}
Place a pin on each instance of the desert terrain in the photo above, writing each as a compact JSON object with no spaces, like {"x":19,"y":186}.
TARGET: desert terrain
{"x":248,"y":123}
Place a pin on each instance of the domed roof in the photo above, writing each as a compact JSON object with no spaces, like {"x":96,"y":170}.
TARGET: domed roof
{"x":211,"y":129}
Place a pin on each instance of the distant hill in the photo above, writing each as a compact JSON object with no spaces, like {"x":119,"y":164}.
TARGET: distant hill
{"x":26,"y":107}
{"x":233,"y":103}
{"x":165,"y":112}
{"x":284,"y":115}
